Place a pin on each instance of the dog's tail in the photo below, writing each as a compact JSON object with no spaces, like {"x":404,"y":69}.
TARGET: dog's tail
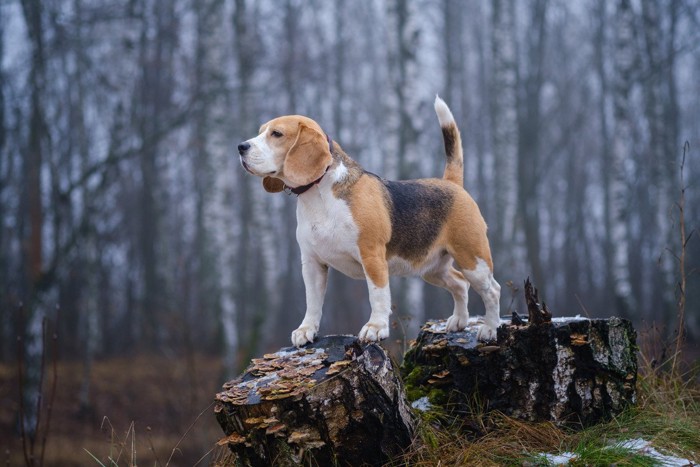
{"x":454,"y":170}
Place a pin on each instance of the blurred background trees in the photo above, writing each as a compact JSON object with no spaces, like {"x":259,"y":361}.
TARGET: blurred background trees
{"x":122,"y":200}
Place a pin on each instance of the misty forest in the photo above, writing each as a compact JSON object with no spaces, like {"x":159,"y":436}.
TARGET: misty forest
{"x":129,"y":228}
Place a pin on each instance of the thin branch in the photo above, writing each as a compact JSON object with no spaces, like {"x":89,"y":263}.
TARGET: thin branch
{"x":681,"y":262}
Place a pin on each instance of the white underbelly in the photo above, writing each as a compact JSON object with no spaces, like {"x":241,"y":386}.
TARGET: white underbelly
{"x":401,"y":267}
{"x":345,"y":264}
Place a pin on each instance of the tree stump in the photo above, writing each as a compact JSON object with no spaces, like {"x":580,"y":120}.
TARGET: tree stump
{"x":333,"y":402}
{"x":568,"y":370}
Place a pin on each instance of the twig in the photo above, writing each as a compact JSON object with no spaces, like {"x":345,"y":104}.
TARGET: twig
{"x":681,"y":262}
{"x":537,"y":313}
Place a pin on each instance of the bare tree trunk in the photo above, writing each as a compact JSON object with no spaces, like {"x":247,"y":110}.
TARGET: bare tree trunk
{"x":623,"y":151}
{"x":33,"y":12}
{"x":528,"y":138}
{"x":659,"y":105}
{"x":5,"y":166}
{"x":600,"y":44}
{"x":408,"y":293}
{"x":150,"y":109}
{"x":293,"y":286}
{"x":234,"y":304}
{"x":504,"y":120}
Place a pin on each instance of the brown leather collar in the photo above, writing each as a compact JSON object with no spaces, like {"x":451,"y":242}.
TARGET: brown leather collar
{"x":304,"y":188}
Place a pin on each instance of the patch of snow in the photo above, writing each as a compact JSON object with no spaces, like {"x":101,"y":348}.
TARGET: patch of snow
{"x":558,"y":459}
{"x":638,"y":445}
{"x":566,"y":319}
{"x":302,"y":354}
{"x":645,"y":448}
{"x":422,"y":404}
{"x":439,"y":326}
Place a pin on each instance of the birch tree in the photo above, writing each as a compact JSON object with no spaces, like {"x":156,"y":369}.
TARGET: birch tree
{"x":504,"y":128}
{"x":33,"y":202}
{"x":623,"y":153}
{"x":404,"y":40}
{"x":528,"y":136}
{"x":661,"y":109}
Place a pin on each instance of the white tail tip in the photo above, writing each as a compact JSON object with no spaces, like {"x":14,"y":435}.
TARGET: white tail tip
{"x":443,"y":112}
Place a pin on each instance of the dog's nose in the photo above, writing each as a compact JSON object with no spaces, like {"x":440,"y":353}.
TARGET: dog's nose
{"x":243,"y":147}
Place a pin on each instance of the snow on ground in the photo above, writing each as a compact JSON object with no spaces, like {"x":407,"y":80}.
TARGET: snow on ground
{"x":638,"y":445}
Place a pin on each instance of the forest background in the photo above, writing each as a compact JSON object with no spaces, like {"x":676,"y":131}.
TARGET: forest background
{"x":128,"y":226}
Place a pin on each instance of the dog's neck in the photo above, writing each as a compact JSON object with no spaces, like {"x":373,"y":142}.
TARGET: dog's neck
{"x":300,"y":190}
{"x":339,"y":176}
{"x":304,"y":188}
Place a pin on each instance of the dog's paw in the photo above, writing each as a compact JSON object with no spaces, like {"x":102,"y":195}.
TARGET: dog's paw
{"x":303,"y":335}
{"x":372,"y":332}
{"x":486,"y":333}
{"x":456,"y":323}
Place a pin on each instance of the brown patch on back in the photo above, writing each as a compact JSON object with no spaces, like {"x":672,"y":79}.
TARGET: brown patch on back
{"x":419,"y":209}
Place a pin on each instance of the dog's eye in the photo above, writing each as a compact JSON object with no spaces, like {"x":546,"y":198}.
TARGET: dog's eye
{"x":276,"y":134}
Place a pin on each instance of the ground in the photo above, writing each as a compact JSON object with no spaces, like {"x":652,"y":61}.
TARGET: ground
{"x":146,"y":408}
{"x":142,"y":404}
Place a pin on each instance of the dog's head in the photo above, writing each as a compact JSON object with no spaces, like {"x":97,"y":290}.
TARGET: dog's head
{"x":289,"y":151}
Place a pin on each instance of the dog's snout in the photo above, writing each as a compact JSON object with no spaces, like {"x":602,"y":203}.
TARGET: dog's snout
{"x":243,"y":147}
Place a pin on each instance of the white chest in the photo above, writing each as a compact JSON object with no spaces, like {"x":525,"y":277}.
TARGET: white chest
{"x":327,"y":231}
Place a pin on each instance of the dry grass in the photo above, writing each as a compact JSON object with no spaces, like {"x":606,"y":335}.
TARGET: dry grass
{"x":142,"y":411}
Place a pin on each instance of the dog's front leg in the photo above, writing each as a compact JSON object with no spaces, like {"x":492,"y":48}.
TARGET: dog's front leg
{"x":377,"y":274}
{"x":315,"y":276}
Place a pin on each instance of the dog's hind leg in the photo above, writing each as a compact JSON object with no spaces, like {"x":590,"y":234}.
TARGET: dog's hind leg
{"x":452,"y":280}
{"x":481,"y":278}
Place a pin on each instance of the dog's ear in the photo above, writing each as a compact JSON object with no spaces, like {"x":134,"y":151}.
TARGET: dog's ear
{"x":308,"y":157}
{"x":272,"y":184}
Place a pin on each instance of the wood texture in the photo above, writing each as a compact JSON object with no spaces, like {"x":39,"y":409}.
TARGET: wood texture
{"x":333,"y":402}
{"x":569,"y":370}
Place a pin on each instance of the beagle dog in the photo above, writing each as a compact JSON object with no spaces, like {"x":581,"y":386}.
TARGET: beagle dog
{"x":370,"y":228}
